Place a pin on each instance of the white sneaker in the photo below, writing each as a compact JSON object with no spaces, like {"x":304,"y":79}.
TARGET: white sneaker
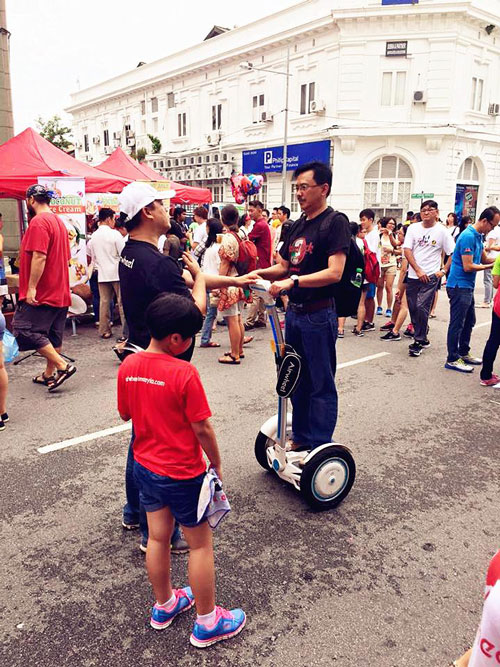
{"x":496,"y":386}
{"x":459,"y":365}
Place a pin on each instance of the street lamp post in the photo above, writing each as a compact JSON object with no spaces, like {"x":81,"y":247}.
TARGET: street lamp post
{"x":250,"y":66}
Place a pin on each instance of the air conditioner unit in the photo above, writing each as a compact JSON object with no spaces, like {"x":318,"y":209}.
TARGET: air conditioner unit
{"x":494,"y":109}
{"x":117,"y":136}
{"x":317,"y":106}
{"x":213,"y":138}
{"x":131,"y":141}
{"x":96,"y":140}
{"x":419,"y":97}
{"x":225,"y":170}
{"x":266,"y":117}
{"x":130,"y":134}
{"x":108,"y":150}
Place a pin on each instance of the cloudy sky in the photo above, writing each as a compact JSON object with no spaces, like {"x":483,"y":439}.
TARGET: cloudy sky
{"x":60,"y":45}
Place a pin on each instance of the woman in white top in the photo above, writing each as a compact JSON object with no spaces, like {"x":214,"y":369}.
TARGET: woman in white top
{"x":388,"y":265}
{"x":207,"y":254}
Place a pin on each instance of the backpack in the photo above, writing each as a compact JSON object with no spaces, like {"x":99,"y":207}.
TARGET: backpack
{"x":372,"y":267}
{"x":247,"y":255}
{"x":347,"y":292}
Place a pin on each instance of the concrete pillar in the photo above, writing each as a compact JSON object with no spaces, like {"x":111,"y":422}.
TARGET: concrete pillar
{"x":7,"y":207}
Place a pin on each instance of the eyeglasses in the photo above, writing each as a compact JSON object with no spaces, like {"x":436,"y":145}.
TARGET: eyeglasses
{"x":428,"y":210}
{"x":304,"y":187}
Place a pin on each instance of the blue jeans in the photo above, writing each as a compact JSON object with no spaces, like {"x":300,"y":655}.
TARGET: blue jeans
{"x":206,"y":332}
{"x":133,"y":511}
{"x":315,"y":401}
{"x":462,"y":321}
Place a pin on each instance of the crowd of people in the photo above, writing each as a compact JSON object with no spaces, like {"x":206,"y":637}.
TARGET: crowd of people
{"x":170,"y":280}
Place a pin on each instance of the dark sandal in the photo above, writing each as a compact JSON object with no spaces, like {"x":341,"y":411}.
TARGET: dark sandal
{"x":229,"y":354}
{"x":42,"y":379}
{"x":230,"y":360}
{"x":210,"y":344}
{"x":62,"y":376}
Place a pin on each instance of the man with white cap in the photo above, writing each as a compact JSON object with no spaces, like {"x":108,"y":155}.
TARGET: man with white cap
{"x":144,"y":274}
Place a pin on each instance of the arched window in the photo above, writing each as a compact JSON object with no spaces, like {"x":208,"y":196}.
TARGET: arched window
{"x":468,"y":172}
{"x":387,"y":187}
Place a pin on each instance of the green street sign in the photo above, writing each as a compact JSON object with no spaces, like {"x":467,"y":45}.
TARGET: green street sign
{"x":423,"y":195}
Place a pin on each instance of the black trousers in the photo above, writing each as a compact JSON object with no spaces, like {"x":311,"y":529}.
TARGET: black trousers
{"x":491,"y":348}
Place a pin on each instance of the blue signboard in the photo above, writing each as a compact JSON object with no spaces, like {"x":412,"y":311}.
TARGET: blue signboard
{"x":262,"y":160}
{"x":400,"y":2}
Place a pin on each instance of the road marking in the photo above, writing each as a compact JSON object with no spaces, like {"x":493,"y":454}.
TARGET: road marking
{"x":354,"y":362}
{"x":83,"y":438}
{"x":126,"y":427}
{"x":483,"y":324}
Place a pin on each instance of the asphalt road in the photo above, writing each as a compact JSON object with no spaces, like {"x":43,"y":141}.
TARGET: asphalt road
{"x":392,"y":577}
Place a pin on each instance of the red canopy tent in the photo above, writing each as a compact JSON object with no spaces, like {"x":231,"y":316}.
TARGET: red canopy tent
{"x":28,"y":155}
{"x":121,"y":164}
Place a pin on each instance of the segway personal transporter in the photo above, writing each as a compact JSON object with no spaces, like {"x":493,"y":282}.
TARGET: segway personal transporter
{"x":324,"y":475}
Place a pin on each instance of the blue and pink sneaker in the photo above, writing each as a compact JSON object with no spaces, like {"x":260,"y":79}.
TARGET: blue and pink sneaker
{"x":161,"y":617}
{"x":228,"y":624}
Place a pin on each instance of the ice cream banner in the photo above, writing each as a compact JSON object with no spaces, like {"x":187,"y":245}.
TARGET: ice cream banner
{"x":98,"y":200}
{"x":69,"y":204}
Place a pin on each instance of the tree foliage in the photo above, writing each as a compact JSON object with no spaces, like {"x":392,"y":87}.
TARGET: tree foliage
{"x":141,"y":154}
{"x":155,"y":143}
{"x":53,"y":131}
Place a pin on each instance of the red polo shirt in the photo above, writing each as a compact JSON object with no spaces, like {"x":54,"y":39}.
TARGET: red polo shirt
{"x":261,"y":236}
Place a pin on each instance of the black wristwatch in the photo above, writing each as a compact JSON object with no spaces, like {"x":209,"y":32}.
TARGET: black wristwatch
{"x":295,"y":280}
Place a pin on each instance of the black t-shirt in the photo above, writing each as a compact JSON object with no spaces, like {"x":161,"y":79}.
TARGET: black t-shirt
{"x":307,"y":250}
{"x":144,"y":273}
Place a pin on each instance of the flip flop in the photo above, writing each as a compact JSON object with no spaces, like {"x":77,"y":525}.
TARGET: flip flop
{"x":228,"y":360}
{"x":42,"y":379}
{"x":62,"y":376}
{"x":247,"y":339}
{"x":210,"y":344}
{"x":229,"y":354}
{"x":106,"y":336}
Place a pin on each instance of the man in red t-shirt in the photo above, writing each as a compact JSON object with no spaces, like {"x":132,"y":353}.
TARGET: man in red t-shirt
{"x":261,"y":236}
{"x":44,"y":294}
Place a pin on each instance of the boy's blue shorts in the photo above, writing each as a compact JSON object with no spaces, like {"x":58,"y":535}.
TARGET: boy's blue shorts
{"x":179,"y":495}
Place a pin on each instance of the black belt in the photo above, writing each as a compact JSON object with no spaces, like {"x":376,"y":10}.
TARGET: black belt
{"x":311,"y":306}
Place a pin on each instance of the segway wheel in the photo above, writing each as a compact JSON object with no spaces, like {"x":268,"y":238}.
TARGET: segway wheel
{"x":262,"y":444}
{"x":328,"y":477}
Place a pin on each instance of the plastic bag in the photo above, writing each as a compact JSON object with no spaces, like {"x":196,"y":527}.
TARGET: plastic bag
{"x":10,"y":347}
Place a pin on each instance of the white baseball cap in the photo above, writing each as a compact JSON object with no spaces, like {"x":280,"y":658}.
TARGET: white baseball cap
{"x":137,"y":195}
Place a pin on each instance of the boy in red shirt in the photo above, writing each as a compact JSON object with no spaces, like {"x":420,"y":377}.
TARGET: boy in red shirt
{"x":165,"y":399}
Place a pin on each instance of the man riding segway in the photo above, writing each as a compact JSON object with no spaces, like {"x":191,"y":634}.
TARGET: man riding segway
{"x":312,"y":261}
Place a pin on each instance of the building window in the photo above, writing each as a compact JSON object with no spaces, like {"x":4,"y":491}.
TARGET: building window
{"x":155,"y":126}
{"x":181,"y":124}
{"x":170,"y":100}
{"x":154,"y":105}
{"x":86,"y":142}
{"x":216,"y":116}
{"x":477,"y":94}
{"x":307,"y":95}
{"x":258,"y":107}
{"x":106,"y":137}
{"x":393,"y":89}
{"x":143,"y":108}
{"x":143,"y":127}
{"x":468,"y":172}
{"x":387,"y":187}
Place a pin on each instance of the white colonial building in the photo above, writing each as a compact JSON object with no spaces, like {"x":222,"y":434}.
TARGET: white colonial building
{"x":402,"y":96}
